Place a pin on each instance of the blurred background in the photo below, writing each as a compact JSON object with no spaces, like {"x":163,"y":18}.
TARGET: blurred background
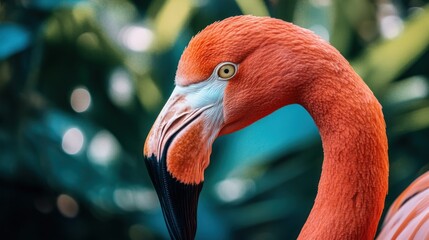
{"x":81,"y":83}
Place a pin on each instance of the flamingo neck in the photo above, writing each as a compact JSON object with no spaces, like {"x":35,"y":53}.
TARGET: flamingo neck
{"x":353,"y":183}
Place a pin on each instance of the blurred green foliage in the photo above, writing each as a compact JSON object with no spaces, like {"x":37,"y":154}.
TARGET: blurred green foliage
{"x":81,"y":83}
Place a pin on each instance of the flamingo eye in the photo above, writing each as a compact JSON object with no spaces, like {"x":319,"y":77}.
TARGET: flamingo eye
{"x":226,"y":71}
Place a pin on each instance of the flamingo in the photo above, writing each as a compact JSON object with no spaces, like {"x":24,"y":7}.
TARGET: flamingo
{"x":243,"y":68}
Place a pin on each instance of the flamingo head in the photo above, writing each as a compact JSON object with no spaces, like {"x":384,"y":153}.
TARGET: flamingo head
{"x":231,"y":74}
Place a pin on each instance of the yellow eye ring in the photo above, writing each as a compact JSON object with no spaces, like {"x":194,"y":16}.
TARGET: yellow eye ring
{"x":226,"y":71}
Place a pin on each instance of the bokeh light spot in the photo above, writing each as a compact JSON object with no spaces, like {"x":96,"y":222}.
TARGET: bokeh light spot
{"x":121,"y":89}
{"x":132,"y":199}
{"x":412,"y":88}
{"x":391,"y":26}
{"x":233,"y":189}
{"x":136,"y":38}
{"x":80,"y":99}
{"x":104,"y":148}
{"x":73,"y":140}
{"x":67,"y":206}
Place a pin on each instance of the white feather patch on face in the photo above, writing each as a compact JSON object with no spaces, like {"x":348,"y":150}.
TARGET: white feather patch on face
{"x":204,"y":99}
{"x":208,"y":94}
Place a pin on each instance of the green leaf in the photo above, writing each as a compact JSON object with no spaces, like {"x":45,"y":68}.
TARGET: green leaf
{"x":383,"y":62}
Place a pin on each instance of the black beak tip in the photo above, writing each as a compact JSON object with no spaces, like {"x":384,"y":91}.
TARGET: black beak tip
{"x":178,"y":201}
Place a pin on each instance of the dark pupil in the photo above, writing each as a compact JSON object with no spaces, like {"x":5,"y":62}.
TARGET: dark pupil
{"x":226,"y":70}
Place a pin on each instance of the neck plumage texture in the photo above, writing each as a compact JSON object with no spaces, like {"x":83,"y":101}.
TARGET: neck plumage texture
{"x":354,"y":179}
{"x":353,"y":183}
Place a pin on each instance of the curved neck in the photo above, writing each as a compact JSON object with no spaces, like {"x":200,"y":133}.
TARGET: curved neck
{"x":353,"y":183}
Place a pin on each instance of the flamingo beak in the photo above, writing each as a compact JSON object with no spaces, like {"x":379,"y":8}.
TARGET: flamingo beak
{"x":176,"y":153}
{"x":178,"y":200}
